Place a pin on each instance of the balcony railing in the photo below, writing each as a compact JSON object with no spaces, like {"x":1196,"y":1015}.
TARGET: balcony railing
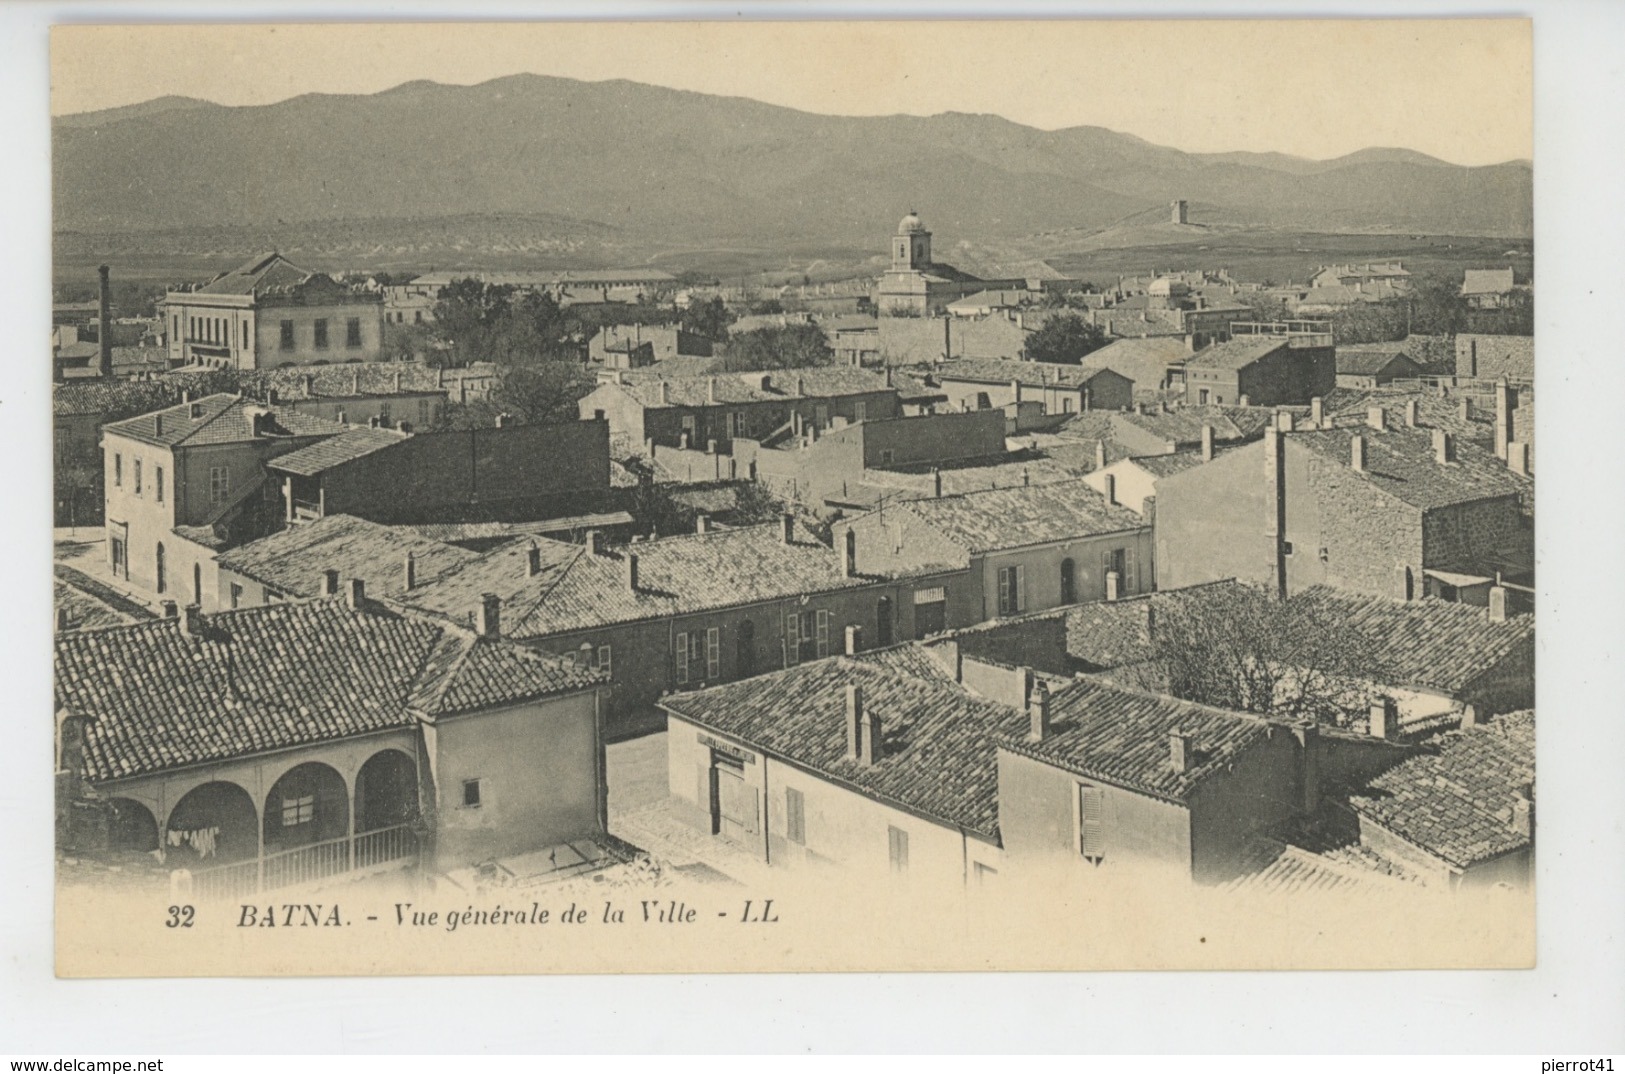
{"x":301,"y":865}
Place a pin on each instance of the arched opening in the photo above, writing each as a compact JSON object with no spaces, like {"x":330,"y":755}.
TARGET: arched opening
{"x":883,"y":622}
{"x":386,"y":791}
{"x":159,"y":568}
{"x":1069,"y":583}
{"x":130,"y":826}
{"x":309,"y":804}
{"x":212,"y":825}
{"x":745,"y":649}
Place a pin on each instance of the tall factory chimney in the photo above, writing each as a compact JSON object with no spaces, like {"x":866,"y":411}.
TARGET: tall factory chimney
{"x":104,"y":326}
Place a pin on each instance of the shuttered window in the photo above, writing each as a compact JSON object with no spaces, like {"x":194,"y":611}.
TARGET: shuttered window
{"x":823,"y":634}
{"x":682,"y":657}
{"x":795,"y":816}
{"x":713,"y":653}
{"x":1091,"y":823}
{"x":792,"y":639}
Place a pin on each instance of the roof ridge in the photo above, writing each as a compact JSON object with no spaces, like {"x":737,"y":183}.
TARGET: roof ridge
{"x":575,"y":556}
{"x":211,"y":419}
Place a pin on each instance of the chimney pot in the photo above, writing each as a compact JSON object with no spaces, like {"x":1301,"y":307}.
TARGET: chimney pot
{"x":1284,"y":421}
{"x":1498,"y":604}
{"x":595,"y":543}
{"x":170,"y":609}
{"x":158,"y":425}
{"x":1181,"y":753}
{"x":533,"y":560}
{"x":186,"y":395}
{"x":342,"y":419}
{"x":631,"y":571}
{"x":357,"y":596}
{"x":330,"y":583}
{"x":1377,"y":418}
{"x":1207,"y":443}
{"x":410,"y":572}
{"x":702,"y":521}
{"x":192,"y":619}
{"x":1523,"y":810}
{"x":936,"y":482}
{"x":787,"y":528}
{"x":854,"y":640}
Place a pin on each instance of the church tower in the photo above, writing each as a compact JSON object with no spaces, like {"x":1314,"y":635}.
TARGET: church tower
{"x":911,"y":246}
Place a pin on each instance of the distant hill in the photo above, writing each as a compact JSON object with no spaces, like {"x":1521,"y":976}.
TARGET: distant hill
{"x":670,"y":166}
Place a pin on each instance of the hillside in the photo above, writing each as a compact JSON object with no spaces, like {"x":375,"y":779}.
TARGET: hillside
{"x":657,"y":166}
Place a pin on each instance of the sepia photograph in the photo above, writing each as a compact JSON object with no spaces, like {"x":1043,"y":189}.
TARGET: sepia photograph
{"x":793,"y":496}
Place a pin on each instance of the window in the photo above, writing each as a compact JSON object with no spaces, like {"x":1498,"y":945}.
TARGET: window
{"x":138,"y":477}
{"x":795,"y":816}
{"x":1012,"y":599}
{"x":984,"y":872}
{"x":713,"y":653}
{"x":1120,"y":560}
{"x":175,"y":325}
{"x":352,"y":332}
{"x":1066,"y":408}
{"x":682,"y":657}
{"x":219,"y":484}
{"x":745,"y":649}
{"x":245,"y":335}
{"x":417,"y":316}
{"x":286,"y":342}
{"x":320,"y":328}
{"x":887,"y":456}
{"x":1069,"y":584}
{"x":983,"y":402}
{"x":1286,"y":548}
{"x":118,"y":470}
{"x":821,"y":414}
{"x":605,"y":660}
{"x":383,"y":411}
{"x":736,"y":424}
{"x":299,"y":810}
{"x":1091,"y":823}
{"x":236,"y":595}
{"x":860,"y":410}
{"x":883,"y":622}
{"x":792,"y":639}
{"x":1201,"y":396}
{"x":471,"y":793}
{"x":822,"y":627}
{"x":158,"y":483}
{"x":897,"y":849}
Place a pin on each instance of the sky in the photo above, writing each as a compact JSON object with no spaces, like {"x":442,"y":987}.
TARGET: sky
{"x":1457,"y":89}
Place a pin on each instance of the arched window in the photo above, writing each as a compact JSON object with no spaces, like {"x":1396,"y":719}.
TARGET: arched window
{"x":1069,"y":585}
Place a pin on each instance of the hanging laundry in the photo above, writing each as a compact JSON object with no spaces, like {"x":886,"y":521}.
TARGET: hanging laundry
{"x":202,"y":841}
{"x":176,"y":837}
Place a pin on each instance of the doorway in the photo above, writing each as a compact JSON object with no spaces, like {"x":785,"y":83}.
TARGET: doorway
{"x":734,"y":808}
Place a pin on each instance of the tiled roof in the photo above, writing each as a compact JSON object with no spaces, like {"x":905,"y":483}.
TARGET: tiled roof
{"x":453,"y":532}
{"x":1174,"y":463}
{"x":274,"y":677}
{"x":293,"y":560}
{"x":1236,"y":353}
{"x":1273,"y":869}
{"x":994,"y":299}
{"x":785,"y":384}
{"x":221,"y":419}
{"x":102,"y":397}
{"x":1368,"y":361}
{"x":1353,"y":405}
{"x":1141,"y":360}
{"x":1113,"y":634}
{"x":1030,"y":374}
{"x":265,"y":271}
{"x":1121,"y":737}
{"x":350,"y":380}
{"x":1486,"y":281}
{"x":346,"y":447}
{"x":90,"y":604}
{"x":1457,"y":804}
{"x":1428,"y":642}
{"x":1401,"y":462}
{"x":938,"y":758}
{"x":576,"y":590}
{"x":1014,"y":517}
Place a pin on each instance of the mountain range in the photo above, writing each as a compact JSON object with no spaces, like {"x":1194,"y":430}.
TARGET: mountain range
{"x":672,"y":166}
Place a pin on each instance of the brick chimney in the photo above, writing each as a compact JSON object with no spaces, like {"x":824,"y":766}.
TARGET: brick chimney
{"x":854,"y":640}
{"x":1377,"y":418}
{"x":631,"y":561}
{"x":787,"y":528}
{"x":533,"y":560}
{"x":409,"y":573}
{"x":192,"y":620}
{"x":1038,"y":713}
{"x":158,"y":424}
{"x":1385,"y":719}
{"x":1444,"y":447}
{"x":104,"y":323}
{"x":1498,"y":604}
{"x":1181,"y":751}
{"x":854,"y":722}
{"x":488,"y":616}
{"x":356,"y":597}
{"x":849,"y":554}
{"x":330,"y":583}
{"x":1357,"y":454}
{"x":1207,"y":443}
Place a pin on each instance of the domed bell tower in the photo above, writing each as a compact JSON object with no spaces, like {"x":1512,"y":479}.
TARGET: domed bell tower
{"x":911,"y":247}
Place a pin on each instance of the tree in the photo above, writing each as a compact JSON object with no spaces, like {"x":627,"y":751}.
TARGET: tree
{"x":1065,"y":338}
{"x":1234,"y":647}
{"x":405,"y":342}
{"x":793,"y":346}
{"x":543,"y":392}
{"x":709,"y":319}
